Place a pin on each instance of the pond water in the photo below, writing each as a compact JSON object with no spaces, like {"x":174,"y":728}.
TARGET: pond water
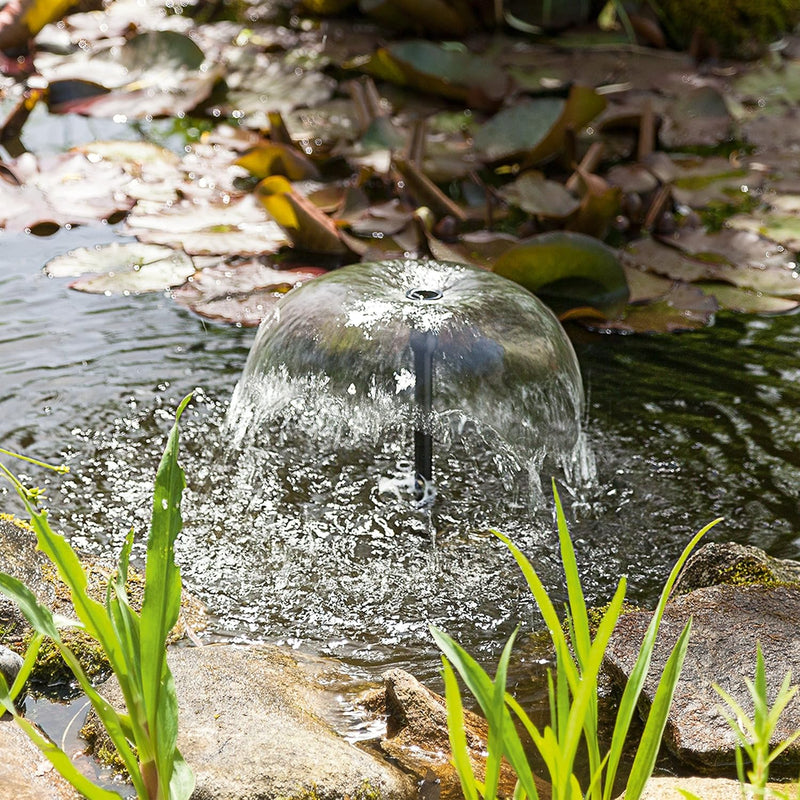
{"x":682,"y":428}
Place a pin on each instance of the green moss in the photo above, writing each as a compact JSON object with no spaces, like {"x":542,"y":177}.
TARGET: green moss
{"x":101,"y":746}
{"x":364,"y":792}
{"x":738,"y":27}
{"x":747,"y":572}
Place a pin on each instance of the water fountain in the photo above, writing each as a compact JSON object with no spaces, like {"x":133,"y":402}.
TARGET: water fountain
{"x":377,"y":352}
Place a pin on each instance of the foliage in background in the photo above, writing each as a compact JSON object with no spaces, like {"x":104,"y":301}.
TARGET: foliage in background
{"x":134,"y":643}
{"x":573,"y":692}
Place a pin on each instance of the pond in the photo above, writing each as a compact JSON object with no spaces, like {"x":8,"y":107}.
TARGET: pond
{"x":682,"y":429}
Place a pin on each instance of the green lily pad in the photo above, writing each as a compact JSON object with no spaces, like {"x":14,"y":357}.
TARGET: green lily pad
{"x":447,"y":70}
{"x":131,"y":268}
{"x":567,"y":266}
{"x":683,"y":308}
{"x":698,"y":182}
{"x":770,"y":85}
{"x":533,"y":131}
{"x":740,"y":258}
{"x":782,"y":228}
{"x":740,"y":300}
{"x":533,"y":193}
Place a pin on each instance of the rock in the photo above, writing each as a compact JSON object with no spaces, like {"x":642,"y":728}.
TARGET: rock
{"x":668,"y":788}
{"x":252,"y":726}
{"x":741,"y":564}
{"x":728,"y":620}
{"x":417,"y":739}
{"x":25,"y":774}
{"x":20,"y":558}
{"x":10,"y":665}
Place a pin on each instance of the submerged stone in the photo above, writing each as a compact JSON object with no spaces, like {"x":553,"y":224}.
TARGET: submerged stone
{"x":727,"y":622}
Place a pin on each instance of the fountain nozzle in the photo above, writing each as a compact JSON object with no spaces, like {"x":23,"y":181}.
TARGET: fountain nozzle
{"x":424,"y":294}
{"x":423,"y":345}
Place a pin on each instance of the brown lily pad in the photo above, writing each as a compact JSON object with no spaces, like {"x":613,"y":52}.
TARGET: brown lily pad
{"x":241,"y":294}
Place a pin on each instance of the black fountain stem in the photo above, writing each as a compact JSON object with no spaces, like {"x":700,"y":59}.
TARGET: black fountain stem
{"x":423,"y":345}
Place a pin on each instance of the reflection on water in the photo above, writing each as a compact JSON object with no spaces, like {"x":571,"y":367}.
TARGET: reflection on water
{"x":683,"y":428}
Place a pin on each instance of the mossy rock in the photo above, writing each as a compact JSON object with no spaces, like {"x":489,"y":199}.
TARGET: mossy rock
{"x":20,"y":558}
{"x":739,"y":28}
{"x":719,"y":563}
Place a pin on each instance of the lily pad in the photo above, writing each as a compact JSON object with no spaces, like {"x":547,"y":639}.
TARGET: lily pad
{"x":274,"y":158}
{"x":567,"y":266}
{"x":59,"y":190}
{"x":131,"y":268}
{"x":771,"y":85}
{"x":308,"y":228}
{"x":240,"y":227}
{"x":265,"y":84}
{"x":683,"y":308}
{"x":447,"y":70}
{"x":241,"y":294}
{"x":740,"y":258}
{"x":732,"y":298}
{"x":155,"y":73}
{"x":697,"y":118}
{"x":534,"y":131}
{"x":781,"y":228}
{"x":533,"y":193}
{"x":698,"y":182}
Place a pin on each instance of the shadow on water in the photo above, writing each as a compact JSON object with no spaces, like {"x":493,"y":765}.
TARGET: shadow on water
{"x":683,"y":429}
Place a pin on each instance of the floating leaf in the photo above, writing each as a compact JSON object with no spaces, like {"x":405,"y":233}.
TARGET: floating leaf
{"x":131,"y":268}
{"x":781,"y":228}
{"x":683,"y":308}
{"x":309,"y":228}
{"x":740,"y":258}
{"x":277,"y":159}
{"x":154,"y":73}
{"x":436,"y":17}
{"x":61,"y":189}
{"x":567,"y":266}
{"x":697,"y":182}
{"x":240,"y":227}
{"x":533,"y":193}
{"x":447,"y":70}
{"x":534,"y":131}
{"x":697,"y":117}
{"x":239,"y":293}
{"x":263,"y":84}
{"x":766,"y":84}
{"x":733,"y":299}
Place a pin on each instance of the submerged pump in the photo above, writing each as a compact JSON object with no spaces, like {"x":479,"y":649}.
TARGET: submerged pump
{"x":423,"y":345}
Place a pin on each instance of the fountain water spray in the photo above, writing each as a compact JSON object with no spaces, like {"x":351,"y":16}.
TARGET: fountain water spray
{"x":349,"y":360}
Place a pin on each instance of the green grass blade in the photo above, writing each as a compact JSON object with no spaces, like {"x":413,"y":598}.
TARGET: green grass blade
{"x":633,"y":687}
{"x":577,"y":602}
{"x":455,"y":729}
{"x":647,"y":751}
{"x":38,"y":616}
{"x":497,"y":716}
{"x":28,"y":664}
{"x":161,"y":605}
{"x":182,"y":782}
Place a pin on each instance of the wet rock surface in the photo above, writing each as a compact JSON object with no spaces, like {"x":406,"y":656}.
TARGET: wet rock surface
{"x":252,"y":725}
{"x":668,"y":788}
{"x":741,"y":564}
{"x":728,"y":620}
{"x":25,"y":774}
{"x":416,"y":737}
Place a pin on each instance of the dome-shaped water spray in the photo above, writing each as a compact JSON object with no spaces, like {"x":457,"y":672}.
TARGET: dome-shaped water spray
{"x":383,"y":349}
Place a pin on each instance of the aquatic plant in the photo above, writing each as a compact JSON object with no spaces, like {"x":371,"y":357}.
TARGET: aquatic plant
{"x":134,"y":643}
{"x":573,"y":694}
{"x":754,"y":734}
